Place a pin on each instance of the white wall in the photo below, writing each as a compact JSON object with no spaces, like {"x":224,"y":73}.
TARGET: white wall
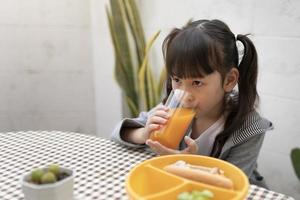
{"x":56,"y":67}
{"x":107,"y":93}
{"x":275,"y":26}
{"x":46,"y":73}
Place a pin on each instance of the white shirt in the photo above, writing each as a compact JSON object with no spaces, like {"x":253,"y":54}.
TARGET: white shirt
{"x":206,"y":140}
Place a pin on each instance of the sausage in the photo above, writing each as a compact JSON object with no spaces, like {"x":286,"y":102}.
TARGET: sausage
{"x":213,"y":176}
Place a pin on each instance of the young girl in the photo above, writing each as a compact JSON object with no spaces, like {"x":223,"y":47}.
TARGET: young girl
{"x":207,"y":60}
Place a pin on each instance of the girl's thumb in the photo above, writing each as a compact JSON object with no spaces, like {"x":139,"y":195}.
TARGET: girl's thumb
{"x":189,"y":141}
{"x":191,"y":144}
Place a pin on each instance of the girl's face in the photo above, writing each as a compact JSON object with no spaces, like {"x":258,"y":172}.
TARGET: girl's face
{"x":207,"y":91}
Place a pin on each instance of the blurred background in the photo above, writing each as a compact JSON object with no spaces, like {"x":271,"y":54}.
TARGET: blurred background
{"x":57,"y":63}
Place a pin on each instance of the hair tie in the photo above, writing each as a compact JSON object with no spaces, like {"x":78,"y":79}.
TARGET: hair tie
{"x":241,"y":50}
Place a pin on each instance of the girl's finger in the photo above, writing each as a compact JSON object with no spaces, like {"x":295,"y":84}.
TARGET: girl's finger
{"x":162,"y":107}
{"x":159,"y":148}
{"x":157,"y":120}
{"x":189,"y":141}
{"x":153,"y":127}
{"x":192,"y":146}
{"x":152,"y":144}
{"x":161,"y":113}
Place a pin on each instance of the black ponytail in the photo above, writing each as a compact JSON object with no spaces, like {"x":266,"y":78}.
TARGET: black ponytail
{"x":248,"y":71}
{"x":247,"y":98}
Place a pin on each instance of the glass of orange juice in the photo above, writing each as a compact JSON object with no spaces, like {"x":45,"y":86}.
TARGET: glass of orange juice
{"x":181,"y":111}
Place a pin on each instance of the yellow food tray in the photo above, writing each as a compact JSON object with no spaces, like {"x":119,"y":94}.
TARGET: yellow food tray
{"x":149,"y":181}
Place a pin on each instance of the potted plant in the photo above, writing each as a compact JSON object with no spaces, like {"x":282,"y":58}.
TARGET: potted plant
{"x":49,"y":183}
{"x":132,"y":71}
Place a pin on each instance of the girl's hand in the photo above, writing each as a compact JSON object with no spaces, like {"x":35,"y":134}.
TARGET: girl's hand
{"x":158,"y":118}
{"x":160,"y":149}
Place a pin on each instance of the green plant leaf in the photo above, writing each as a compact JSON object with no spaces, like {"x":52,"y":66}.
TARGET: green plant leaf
{"x":162,"y":80}
{"x":132,"y":107}
{"x":147,"y":89}
{"x":132,"y":71}
{"x":121,"y":35}
{"x":295,"y":156}
{"x":124,"y":69}
{"x":136,"y":28}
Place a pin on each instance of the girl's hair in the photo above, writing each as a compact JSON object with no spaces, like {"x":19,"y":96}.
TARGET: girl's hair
{"x":205,"y":46}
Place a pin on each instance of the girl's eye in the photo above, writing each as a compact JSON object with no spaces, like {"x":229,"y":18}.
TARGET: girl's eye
{"x":197,"y":83}
{"x":177,"y":80}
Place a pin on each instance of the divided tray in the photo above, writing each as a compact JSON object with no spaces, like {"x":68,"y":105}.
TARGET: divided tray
{"x":149,"y":181}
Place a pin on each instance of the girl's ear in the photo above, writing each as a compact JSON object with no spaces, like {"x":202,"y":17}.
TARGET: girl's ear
{"x":231,"y":79}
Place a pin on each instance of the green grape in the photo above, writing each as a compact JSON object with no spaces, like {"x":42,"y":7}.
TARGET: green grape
{"x":196,"y":195}
{"x":48,"y":177}
{"x":54,"y":168}
{"x":207,"y":193}
{"x":36,"y":175}
{"x":184,"y":196}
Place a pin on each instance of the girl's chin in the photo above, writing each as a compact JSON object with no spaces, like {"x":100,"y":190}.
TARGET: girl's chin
{"x":197,"y":115}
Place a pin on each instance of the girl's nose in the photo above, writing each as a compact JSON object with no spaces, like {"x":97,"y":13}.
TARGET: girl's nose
{"x":190,"y":97}
{"x":188,"y":100}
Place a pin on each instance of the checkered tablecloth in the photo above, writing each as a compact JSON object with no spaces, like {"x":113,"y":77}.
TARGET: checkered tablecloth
{"x":100,"y":165}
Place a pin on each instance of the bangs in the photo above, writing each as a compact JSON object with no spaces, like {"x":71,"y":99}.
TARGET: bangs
{"x":192,"y":54}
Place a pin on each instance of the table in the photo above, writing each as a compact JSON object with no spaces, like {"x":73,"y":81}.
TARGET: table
{"x":100,"y":165}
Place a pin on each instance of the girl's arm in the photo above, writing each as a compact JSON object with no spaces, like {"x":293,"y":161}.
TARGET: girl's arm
{"x":126,"y":131}
{"x":134,"y":135}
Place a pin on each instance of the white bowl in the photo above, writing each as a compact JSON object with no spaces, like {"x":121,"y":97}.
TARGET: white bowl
{"x":60,"y":190}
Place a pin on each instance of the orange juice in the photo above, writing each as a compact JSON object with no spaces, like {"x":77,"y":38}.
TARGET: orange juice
{"x":172,"y":133}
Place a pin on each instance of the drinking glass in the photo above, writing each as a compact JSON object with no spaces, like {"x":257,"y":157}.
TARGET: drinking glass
{"x":181,"y":113}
